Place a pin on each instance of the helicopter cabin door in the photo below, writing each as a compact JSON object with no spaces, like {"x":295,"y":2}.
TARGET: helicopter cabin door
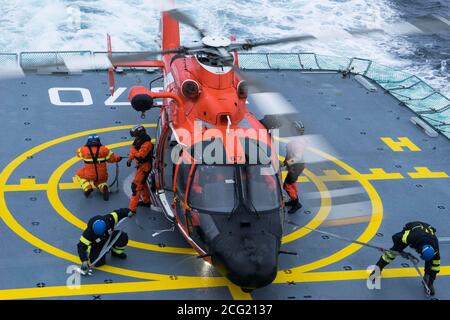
{"x":169,"y":147}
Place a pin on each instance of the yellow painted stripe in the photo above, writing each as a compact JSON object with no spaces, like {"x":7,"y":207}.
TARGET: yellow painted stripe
{"x":183,"y":284}
{"x":425,"y":173}
{"x":352,"y":275}
{"x":111,"y":288}
{"x":380,"y":174}
{"x":238,"y":294}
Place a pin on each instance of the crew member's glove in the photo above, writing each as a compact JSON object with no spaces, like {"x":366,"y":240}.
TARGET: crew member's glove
{"x":120,"y":159}
{"x":128,"y":163}
{"x":131,"y":213}
{"x":85,"y":266}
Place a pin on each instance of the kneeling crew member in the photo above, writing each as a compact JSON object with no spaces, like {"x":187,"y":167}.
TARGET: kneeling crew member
{"x":295,"y":166}
{"x":421,"y":237}
{"x":141,"y":152}
{"x":97,"y":233}
{"x":95,"y":156}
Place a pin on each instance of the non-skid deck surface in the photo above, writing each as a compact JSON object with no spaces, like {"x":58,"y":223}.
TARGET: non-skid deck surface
{"x":363,"y":172}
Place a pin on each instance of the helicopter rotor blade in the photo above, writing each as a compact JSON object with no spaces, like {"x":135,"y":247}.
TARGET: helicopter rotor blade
{"x":431,"y":24}
{"x":183,"y":18}
{"x":88,"y":63}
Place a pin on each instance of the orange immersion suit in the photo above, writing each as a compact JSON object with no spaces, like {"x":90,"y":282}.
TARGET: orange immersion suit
{"x":141,"y":151}
{"x":295,"y":166}
{"x":95,"y":168}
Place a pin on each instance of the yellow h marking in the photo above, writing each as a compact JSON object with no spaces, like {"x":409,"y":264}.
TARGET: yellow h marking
{"x":398,"y":146}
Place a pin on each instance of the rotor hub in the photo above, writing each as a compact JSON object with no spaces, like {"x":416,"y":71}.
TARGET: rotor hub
{"x":216,"y":41}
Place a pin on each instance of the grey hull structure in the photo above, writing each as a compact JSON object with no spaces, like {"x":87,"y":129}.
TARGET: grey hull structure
{"x":373,"y":170}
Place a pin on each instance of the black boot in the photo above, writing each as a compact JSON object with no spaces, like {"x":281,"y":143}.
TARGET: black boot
{"x":295,"y":206}
{"x":289,"y":203}
{"x":143,"y":204}
{"x":88,"y":192}
{"x":122,"y":255}
{"x":429,"y":280}
{"x":105,"y":193}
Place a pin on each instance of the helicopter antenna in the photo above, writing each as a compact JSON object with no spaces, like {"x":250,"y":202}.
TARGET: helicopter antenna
{"x":229,"y":124}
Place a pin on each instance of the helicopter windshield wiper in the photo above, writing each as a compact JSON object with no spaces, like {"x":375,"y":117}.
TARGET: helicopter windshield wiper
{"x":236,"y":196}
{"x":247,"y":198}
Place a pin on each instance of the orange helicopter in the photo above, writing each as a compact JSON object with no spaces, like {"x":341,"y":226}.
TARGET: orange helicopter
{"x":216,"y":172}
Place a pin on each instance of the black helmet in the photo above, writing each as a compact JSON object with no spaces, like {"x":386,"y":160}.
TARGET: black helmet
{"x":138,"y":131}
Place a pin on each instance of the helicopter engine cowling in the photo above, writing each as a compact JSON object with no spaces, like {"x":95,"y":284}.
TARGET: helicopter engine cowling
{"x":140,"y":99}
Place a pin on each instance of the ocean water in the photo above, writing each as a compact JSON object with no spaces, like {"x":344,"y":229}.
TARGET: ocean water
{"x":40,"y":25}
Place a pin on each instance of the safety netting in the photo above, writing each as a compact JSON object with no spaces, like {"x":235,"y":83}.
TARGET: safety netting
{"x":429,"y":104}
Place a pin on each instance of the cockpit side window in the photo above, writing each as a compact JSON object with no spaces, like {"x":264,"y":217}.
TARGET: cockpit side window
{"x":182,"y":179}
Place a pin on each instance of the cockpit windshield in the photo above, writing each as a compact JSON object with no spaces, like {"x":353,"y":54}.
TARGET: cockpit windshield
{"x":213,"y":188}
{"x":261,"y":187}
{"x":220,"y":188}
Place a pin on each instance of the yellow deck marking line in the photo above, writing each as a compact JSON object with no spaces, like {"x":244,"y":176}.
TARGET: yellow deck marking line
{"x":425,"y":173}
{"x":376,"y":174}
{"x":400,"y":145}
{"x":151,"y":286}
{"x":111,"y":288}
{"x":380,"y":174}
{"x":329,"y":176}
{"x":238,"y":294}
{"x":56,"y":203}
{"x":354,"y":275}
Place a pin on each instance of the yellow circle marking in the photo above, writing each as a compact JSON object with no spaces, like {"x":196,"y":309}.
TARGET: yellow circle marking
{"x":5,"y":214}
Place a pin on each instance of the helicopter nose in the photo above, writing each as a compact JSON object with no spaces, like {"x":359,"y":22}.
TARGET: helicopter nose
{"x":250,"y":262}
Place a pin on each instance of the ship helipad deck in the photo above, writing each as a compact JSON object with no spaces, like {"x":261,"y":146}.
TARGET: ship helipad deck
{"x":399,"y":172}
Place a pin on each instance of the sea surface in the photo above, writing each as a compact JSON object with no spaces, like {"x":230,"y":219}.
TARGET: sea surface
{"x":43,"y":25}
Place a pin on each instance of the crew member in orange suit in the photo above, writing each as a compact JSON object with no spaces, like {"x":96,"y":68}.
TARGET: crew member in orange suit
{"x":295,"y":166}
{"x":95,"y":156}
{"x":141,"y":152}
